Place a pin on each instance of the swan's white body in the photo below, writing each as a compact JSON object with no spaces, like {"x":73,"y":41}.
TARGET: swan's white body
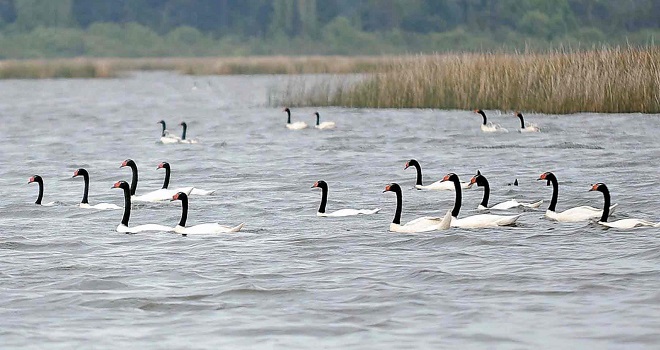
{"x":49,"y":204}
{"x":325,"y":125}
{"x":530,"y":128}
{"x":296,"y":126}
{"x":424,"y":224}
{"x":143,"y":228}
{"x":629,"y":223}
{"x":484,"y":220}
{"x":490,"y":127}
{"x":160,"y":195}
{"x":348,"y":212}
{"x":441,"y":186}
{"x":169,"y":138}
{"x":202,"y":229}
{"x":511,"y":204}
{"x":189,"y":141}
{"x":100,"y":206}
{"x":577,"y":214}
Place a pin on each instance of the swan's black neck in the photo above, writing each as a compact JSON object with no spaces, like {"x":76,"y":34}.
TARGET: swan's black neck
{"x":606,"y":207}
{"x":288,"y":112}
{"x":185,"y":127}
{"x":166,"y":183}
{"x":162,"y":122}
{"x":459,"y":195}
{"x":522,"y":121}
{"x":555,"y":191}
{"x":184,"y":209}
{"x":86,"y":191}
{"x":318,"y":119}
{"x":483,"y":182}
{"x":40,"y":181}
{"x":483,"y":115}
{"x":127,"y":205}
{"x":324,"y":196}
{"x":399,"y":205}
{"x":418,"y":167}
{"x":134,"y":178}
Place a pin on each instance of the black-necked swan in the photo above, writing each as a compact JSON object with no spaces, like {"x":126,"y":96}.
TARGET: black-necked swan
{"x":481,"y":181}
{"x":153,"y":196}
{"x":40,"y":182}
{"x":475,"y":221}
{"x":324,"y":125}
{"x":488,"y":126}
{"x":201,"y":228}
{"x":623,"y":223}
{"x":423,"y":224}
{"x":436,"y":186}
{"x":183,"y":134}
{"x":123,"y":226}
{"x":293,"y":126}
{"x":342,"y":212}
{"x":187,"y":190}
{"x":84,"y":203}
{"x":165,"y":136}
{"x":576,"y":214}
{"x":526,"y":127}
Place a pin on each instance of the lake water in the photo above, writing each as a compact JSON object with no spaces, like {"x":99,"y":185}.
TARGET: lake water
{"x":291,"y":279}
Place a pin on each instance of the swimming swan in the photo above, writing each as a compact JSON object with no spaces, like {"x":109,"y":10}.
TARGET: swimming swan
{"x":423,"y":224}
{"x":342,"y":212}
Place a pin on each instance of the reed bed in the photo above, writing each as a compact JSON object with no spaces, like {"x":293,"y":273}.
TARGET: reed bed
{"x":608,"y":80}
{"x":111,"y":67}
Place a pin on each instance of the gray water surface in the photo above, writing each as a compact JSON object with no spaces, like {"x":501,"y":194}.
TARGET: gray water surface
{"x":291,"y":279}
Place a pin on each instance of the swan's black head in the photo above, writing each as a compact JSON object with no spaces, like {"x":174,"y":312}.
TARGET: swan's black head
{"x":35,"y":178}
{"x":286,"y":109}
{"x":410,"y":163}
{"x":548,"y":176}
{"x":183,"y":124}
{"x":478,"y":179}
{"x":163,"y":165}
{"x":450,"y":177}
{"x":161,"y":122}
{"x":179,"y":196}
{"x":122,"y":184}
{"x":128,"y":162}
{"x":320,"y":184}
{"x":519,"y":115}
{"x":393,"y":187}
{"x":317,"y":114}
{"x":601,"y":187}
{"x":80,"y":172}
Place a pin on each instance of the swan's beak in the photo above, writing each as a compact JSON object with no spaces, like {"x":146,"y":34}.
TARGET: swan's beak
{"x":593,"y":188}
{"x":31,"y":180}
{"x":446,"y":178}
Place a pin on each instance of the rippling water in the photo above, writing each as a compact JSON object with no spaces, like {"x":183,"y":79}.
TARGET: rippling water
{"x":291,"y":279}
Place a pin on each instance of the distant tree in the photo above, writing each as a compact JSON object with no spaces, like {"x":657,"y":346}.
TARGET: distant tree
{"x":31,"y":14}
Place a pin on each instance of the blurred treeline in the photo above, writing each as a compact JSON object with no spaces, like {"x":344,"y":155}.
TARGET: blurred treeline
{"x":139,"y":28}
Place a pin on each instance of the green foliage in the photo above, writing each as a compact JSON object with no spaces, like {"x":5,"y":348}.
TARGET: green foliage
{"x":238,"y":27}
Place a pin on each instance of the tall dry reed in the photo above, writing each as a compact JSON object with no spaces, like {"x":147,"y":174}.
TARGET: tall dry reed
{"x":609,"y":80}
{"x":110,"y":67}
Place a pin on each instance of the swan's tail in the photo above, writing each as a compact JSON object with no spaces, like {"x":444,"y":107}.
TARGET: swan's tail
{"x":532,"y":205}
{"x":446,"y":221}
{"x":508,"y":220}
{"x":369,"y":212}
{"x":237,"y":228}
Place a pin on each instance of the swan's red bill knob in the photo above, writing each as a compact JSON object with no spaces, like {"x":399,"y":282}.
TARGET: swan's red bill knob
{"x":31,"y":180}
{"x":387,"y":188}
{"x":124,"y":163}
{"x":407,"y":165}
{"x":446,"y":178}
{"x":316,"y":184}
{"x":160,"y":166}
{"x":117,"y":184}
{"x":595,"y":187}
{"x":176,"y":196}
{"x":75,"y":173}
{"x":543,"y":176}
{"x":473,"y":180}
